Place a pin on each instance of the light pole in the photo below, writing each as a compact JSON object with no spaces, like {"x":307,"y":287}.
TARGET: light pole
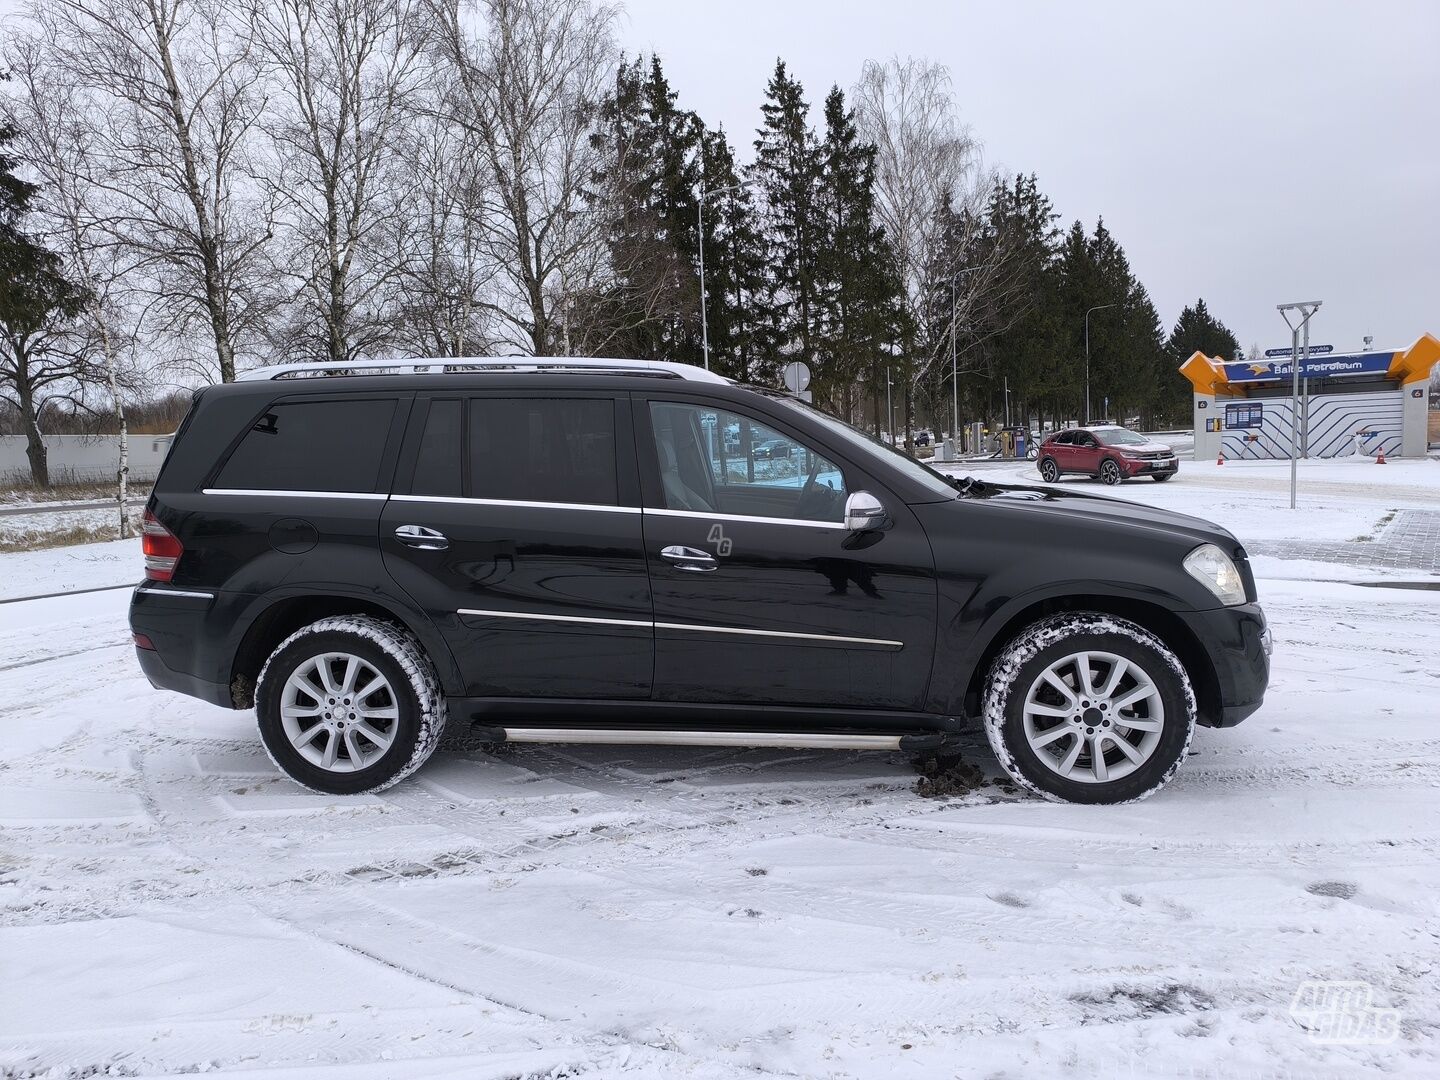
{"x":1305,"y":309}
{"x":700,"y":234}
{"x":954,"y":355}
{"x":889,"y":409}
{"x":1097,"y":307}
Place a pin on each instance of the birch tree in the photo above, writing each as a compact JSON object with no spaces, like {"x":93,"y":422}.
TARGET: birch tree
{"x":342,"y":73}
{"x":174,"y":96}
{"x":529,"y":86}
{"x":925,"y":162}
{"x":60,"y":149}
{"x":443,"y":269}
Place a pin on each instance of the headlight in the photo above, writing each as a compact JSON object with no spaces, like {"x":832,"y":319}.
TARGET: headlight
{"x":1214,"y":569}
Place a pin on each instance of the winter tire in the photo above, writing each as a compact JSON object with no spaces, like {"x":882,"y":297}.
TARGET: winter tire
{"x":349,"y":704}
{"x":1160,"y":478}
{"x":1049,"y":471}
{"x":1089,"y":708}
{"x":1110,"y":473}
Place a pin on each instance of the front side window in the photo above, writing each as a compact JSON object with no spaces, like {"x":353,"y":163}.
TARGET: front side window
{"x":312,"y":446}
{"x":714,"y":461}
{"x":555,"y":450}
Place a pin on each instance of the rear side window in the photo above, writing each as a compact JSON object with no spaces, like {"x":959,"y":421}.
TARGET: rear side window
{"x":1065,"y":438}
{"x":543,"y":450}
{"x":437,"y":465}
{"x":312,"y":446}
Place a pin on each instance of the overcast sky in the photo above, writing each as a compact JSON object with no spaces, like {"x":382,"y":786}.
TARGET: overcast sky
{"x":1250,"y":153}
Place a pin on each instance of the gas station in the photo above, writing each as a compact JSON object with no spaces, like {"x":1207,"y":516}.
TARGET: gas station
{"x":1368,"y":403}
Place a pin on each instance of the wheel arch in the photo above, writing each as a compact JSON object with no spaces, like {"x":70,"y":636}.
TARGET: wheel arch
{"x":282,"y":616}
{"x":1160,"y":621}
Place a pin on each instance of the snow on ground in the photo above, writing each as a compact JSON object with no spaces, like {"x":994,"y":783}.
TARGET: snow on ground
{"x":169,"y":903}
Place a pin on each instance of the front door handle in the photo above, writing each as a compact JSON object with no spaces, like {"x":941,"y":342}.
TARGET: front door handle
{"x":418,"y":536}
{"x":691,"y":560}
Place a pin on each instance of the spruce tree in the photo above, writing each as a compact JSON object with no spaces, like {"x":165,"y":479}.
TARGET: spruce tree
{"x":742,"y":335}
{"x":786,"y":171}
{"x":855,"y":297}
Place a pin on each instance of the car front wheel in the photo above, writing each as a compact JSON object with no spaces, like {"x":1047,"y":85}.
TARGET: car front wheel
{"x":1110,"y":472}
{"x":1089,"y":708}
{"x":349,"y":704}
{"x":1049,"y":471}
{"x":1160,"y":478}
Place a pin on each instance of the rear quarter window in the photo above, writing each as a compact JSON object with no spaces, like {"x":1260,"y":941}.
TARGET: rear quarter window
{"x":312,"y":446}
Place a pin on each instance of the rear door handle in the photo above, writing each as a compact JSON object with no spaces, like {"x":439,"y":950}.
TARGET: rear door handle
{"x":689,"y":559}
{"x":418,"y":536}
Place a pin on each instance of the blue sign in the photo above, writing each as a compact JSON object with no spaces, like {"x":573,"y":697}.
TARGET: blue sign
{"x":1317,"y":367}
{"x":1291,"y":352}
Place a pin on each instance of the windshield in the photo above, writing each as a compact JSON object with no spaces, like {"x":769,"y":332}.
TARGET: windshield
{"x":1120,"y":437}
{"x":868,"y":446}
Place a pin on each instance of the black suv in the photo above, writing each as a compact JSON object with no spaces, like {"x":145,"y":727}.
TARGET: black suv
{"x":596,"y":551}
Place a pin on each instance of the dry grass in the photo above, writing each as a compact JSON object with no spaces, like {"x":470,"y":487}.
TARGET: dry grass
{"x":37,"y":540}
{"x":24,"y":492}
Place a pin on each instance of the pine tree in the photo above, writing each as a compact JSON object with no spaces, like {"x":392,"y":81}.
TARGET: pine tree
{"x":855,"y":295}
{"x":651,"y":307}
{"x":742,"y":337}
{"x":1196,"y":330}
{"x":787,"y":170}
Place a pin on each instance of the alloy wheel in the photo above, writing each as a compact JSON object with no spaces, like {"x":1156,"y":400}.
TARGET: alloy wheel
{"x":339,"y":712}
{"x":1093,"y":717}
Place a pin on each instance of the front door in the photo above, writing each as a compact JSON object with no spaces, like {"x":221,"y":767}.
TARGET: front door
{"x":516,"y":526}
{"x":1086,"y":455}
{"x":761,"y":596}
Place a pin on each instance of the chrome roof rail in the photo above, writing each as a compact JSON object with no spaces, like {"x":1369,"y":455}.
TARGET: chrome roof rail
{"x":451,"y":365}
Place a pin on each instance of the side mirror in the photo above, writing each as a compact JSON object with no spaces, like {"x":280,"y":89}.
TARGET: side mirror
{"x":865,"y":513}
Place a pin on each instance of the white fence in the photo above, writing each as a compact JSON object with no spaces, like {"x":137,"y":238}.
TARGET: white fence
{"x":84,"y":458}
{"x":1333,"y":421}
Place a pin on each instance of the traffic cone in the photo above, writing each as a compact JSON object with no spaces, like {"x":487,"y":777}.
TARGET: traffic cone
{"x":1221,"y":459}
{"x":1380,"y":457}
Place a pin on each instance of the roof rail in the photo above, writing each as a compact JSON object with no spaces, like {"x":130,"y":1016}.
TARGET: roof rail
{"x":449,"y":365}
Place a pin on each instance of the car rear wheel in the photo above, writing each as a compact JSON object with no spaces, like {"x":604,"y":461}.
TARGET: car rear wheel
{"x":1110,"y":472}
{"x":1089,"y":708}
{"x":349,"y":704}
{"x":1049,"y":471}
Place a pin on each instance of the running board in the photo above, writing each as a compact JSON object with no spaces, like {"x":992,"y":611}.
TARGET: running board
{"x":659,"y":737}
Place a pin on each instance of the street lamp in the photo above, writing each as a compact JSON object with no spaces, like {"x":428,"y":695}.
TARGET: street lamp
{"x":1097,"y":307}
{"x":700,"y":224}
{"x":1304,"y":310}
{"x":954,"y":360}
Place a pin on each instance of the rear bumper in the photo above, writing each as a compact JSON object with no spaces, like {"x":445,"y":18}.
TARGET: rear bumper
{"x":164,"y":677}
{"x":1237,"y":642}
{"x":174,"y":621}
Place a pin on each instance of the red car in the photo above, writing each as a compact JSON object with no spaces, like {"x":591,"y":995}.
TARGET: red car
{"x":1111,"y":453}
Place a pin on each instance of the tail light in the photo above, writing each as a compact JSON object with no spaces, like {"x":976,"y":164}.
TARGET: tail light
{"x":162,"y":549}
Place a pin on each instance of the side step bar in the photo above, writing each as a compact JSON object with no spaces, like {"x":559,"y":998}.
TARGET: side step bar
{"x":659,"y":737}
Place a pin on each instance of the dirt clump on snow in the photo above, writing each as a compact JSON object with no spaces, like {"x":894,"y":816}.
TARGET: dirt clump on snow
{"x":944,"y":776}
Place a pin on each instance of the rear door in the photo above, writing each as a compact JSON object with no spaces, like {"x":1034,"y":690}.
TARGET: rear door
{"x":516,"y":525}
{"x":1062,"y":449}
{"x":761,"y":595}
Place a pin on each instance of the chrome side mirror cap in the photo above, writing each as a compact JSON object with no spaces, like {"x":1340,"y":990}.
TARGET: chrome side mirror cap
{"x":865,"y":513}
